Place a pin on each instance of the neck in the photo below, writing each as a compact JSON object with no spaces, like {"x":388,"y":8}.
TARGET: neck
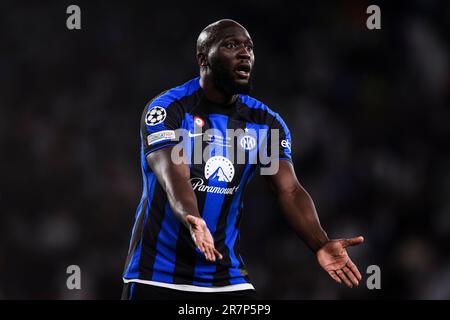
{"x":213,"y":94}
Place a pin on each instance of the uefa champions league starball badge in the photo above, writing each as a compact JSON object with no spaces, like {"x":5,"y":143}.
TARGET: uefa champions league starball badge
{"x":155,"y":116}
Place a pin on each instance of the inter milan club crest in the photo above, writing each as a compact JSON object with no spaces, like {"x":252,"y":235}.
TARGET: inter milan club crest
{"x":155,"y":116}
{"x":247,"y":142}
{"x":199,"y":121}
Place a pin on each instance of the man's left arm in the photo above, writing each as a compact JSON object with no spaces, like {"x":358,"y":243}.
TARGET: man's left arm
{"x":299,"y":209}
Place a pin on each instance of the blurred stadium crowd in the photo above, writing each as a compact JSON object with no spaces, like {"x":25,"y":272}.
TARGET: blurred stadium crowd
{"x":368,"y":113}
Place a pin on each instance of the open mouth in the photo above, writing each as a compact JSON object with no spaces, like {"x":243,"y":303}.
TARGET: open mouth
{"x":243,"y":70}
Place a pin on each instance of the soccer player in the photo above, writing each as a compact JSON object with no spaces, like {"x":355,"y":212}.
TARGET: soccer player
{"x":185,"y":240}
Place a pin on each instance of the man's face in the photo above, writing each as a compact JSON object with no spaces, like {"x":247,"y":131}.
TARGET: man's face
{"x":231,"y":60}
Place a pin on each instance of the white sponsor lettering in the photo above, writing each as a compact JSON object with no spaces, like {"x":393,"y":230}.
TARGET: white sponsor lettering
{"x":286,"y":144}
{"x":198,"y":184}
{"x":160,"y":136}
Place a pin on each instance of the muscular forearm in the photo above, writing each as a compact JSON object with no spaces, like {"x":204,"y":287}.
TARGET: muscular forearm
{"x":174,"y":179}
{"x":298,"y":207}
{"x":181,"y":198}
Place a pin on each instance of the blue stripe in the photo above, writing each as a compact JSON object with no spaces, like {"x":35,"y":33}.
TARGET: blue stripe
{"x":177,"y":93}
{"x":166,"y":247}
{"x":133,"y":268}
{"x":164,"y":265}
{"x":169,"y":97}
{"x":256,"y":104}
{"x":143,"y":197}
{"x":131,"y":291}
{"x":231,"y":232}
{"x":187,"y":124}
{"x":213,"y":202}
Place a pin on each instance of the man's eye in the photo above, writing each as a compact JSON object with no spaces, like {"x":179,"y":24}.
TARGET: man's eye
{"x":250,"y":48}
{"x":230,"y":45}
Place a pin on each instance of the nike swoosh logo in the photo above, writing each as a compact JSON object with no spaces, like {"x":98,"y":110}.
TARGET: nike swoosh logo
{"x":191,"y":135}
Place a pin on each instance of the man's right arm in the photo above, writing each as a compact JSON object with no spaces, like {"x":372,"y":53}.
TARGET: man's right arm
{"x":174,"y":179}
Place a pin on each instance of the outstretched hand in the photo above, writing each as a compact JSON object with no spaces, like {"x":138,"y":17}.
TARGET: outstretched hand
{"x":334,"y":259}
{"x":203,"y":238}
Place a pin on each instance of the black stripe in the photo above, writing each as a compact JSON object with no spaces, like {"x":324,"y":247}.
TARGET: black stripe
{"x":260,"y":116}
{"x":151,"y":232}
{"x":186,"y":256}
{"x":255,"y":115}
{"x":137,"y":236}
{"x":236,"y":250}
{"x":236,"y":247}
{"x":222,"y":276}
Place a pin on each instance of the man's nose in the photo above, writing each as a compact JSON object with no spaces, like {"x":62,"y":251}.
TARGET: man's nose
{"x":243,"y":53}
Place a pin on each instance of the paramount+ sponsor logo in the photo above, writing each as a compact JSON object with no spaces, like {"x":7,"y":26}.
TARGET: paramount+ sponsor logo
{"x":198,"y":184}
{"x":218,"y":170}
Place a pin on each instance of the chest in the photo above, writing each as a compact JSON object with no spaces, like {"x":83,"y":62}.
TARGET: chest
{"x":222,"y":150}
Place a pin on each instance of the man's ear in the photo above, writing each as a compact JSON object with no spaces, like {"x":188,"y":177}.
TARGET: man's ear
{"x":202,"y":59}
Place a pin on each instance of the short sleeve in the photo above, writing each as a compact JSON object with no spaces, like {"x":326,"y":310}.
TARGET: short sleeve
{"x":158,"y":124}
{"x":277,"y":144}
{"x":283,"y":139}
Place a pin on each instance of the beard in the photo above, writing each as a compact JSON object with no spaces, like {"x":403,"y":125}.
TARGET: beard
{"x":224,"y":81}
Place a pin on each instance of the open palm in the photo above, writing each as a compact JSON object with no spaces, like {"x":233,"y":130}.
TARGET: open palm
{"x":202,"y":238}
{"x":333,"y":258}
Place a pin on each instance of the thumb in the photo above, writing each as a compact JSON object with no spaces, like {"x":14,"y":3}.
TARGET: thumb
{"x":191,"y":219}
{"x":352,"y":241}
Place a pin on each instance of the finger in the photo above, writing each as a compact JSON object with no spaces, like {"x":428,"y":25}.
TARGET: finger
{"x":352,"y":242}
{"x":212,"y":257}
{"x":199,"y":243}
{"x":207,"y":257}
{"x":214,"y":252}
{"x":354,"y":269}
{"x":206,"y":251}
{"x":334,"y":276}
{"x":344,"y":278}
{"x":351,"y":276}
{"x":202,"y":248}
{"x":217,"y":253}
{"x":209,"y":247}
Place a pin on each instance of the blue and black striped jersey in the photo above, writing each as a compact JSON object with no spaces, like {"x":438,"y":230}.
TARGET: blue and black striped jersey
{"x":162,"y":251}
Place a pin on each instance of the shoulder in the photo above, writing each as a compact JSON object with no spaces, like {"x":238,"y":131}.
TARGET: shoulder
{"x":175,"y":96}
{"x":259,"y":112}
{"x":171,"y":105}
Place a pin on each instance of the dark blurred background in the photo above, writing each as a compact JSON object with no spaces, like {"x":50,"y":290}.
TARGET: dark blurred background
{"x":368,"y":111}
